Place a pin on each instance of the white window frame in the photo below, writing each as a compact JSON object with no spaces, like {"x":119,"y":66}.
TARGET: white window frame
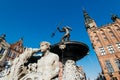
{"x":102,"y":50}
{"x":118,"y":45}
{"x":111,"y":49}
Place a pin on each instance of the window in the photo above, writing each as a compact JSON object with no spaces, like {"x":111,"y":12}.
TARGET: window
{"x":9,"y":53}
{"x":103,"y":33}
{"x":110,"y":49}
{"x":114,"y":78}
{"x":105,"y":38}
{"x":117,"y":61}
{"x":97,"y":40}
{"x":2,"y":50}
{"x":112,"y":36}
{"x":102,"y":51}
{"x":14,"y":55}
{"x":118,"y":29}
{"x":110,"y":32}
{"x":109,"y":66}
{"x":16,"y":48}
{"x":118,"y":45}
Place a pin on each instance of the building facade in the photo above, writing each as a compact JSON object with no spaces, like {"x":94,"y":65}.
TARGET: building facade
{"x":4,"y":47}
{"x":15,"y":50}
{"x":8,"y":52}
{"x":106,"y":43}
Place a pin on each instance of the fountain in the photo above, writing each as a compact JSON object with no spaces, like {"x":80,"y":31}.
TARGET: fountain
{"x":58,"y":61}
{"x":69,"y":52}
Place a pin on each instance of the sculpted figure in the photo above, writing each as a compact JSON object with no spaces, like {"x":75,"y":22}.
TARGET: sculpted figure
{"x":48,"y":65}
{"x":46,"y":68}
{"x":66,"y":36}
{"x":19,"y":62}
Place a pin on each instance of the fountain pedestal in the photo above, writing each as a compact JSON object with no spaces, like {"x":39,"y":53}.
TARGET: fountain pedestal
{"x":69,"y":53}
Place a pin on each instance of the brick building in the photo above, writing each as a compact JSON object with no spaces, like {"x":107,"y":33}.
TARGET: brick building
{"x":15,"y":50}
{"x":8,"y":52}
{"x":106,"y":43}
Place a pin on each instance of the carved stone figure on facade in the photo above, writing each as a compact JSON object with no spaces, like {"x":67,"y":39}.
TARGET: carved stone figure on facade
{"x":66,"y":36}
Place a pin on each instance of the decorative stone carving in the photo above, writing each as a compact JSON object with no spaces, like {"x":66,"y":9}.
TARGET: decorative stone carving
{"x":70,"y":71}
{"x":48,"y":65}
{"x":19,"y":62}
{"x":46,"y":68}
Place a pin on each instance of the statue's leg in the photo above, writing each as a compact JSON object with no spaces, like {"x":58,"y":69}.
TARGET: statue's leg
{"x":68,"y":37}
{"x":63,"y":39}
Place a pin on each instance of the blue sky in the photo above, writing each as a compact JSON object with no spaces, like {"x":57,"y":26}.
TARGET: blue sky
{"x":35,"y":20}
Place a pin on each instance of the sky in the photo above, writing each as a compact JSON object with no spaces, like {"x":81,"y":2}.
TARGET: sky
{"x":35,"y":20}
